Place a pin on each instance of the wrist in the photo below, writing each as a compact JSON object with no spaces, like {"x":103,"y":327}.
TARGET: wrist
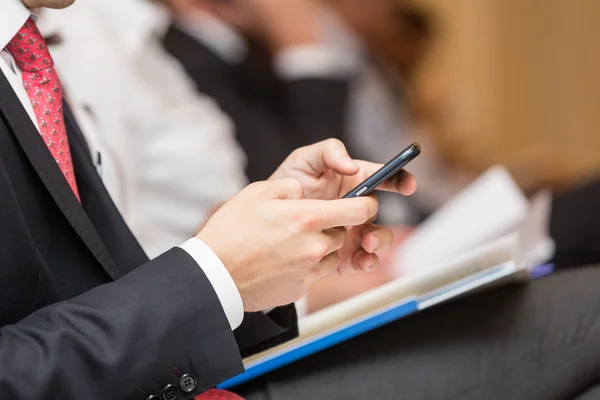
{"x":220,"y":278}
{"x":225,"y":256}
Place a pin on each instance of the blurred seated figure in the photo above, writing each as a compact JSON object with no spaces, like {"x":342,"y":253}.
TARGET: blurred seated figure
{"x":158,"y":144}
{"x":293,"y":73}
{"x":267,"y":65}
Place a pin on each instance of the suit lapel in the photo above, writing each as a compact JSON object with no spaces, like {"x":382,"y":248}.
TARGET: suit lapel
{"x":42,"y":161}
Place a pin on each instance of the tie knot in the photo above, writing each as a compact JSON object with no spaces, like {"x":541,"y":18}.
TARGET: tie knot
{"x":29,"y":49}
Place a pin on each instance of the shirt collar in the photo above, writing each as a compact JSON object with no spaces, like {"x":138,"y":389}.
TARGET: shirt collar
{"x":133,"y":22}
{"x":214,"y":34}
{"x":13,"y":15}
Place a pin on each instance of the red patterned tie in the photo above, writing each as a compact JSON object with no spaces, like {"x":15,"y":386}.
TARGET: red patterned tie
{"x":41,"y":83}
{"x":218,"y":394}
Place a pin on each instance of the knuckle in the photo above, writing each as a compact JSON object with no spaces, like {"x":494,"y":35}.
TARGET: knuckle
{"x":333,"y":142}
{"x":340,"y":237}
{"x":255,"y":187}
{"x":296,"y":187}
{"x":297,"y":154}
{"x":317,"y":251}
{"x":308,"y":223}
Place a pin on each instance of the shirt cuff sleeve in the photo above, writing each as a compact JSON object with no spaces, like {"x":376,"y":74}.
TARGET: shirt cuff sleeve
{"x":302,"y":306}
{"x":314,"y":61}
{"x":219,"y":277}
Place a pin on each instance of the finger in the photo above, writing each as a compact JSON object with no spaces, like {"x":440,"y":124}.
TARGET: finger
{"x":286,"y":189}
{"x":325,"y":214}
{"x":331,"y":155}
{"x":362,"y":262}
{"x":328,"y":266}
{"x":319,"y":245}
{"x":336,"y":238}
{"x":374,"y":217}
{"x":403,"y":182}
{"x":376,"y":238}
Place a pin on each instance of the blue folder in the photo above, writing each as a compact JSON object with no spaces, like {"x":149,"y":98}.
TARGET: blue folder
{"x":383,"y":316}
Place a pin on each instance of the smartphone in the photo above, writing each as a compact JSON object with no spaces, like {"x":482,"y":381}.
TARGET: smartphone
{"x":386,"y":172}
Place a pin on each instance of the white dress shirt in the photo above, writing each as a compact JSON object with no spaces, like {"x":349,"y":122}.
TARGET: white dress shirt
{"x":146,"y":117}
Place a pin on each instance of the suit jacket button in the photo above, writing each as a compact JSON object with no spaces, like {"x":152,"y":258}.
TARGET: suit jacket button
{"x":187,"y":383}
{"x":170,"y":392}
{"x":153,"y":397}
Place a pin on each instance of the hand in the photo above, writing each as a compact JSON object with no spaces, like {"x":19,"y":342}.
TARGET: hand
{"x":327,"y":172}
{"x":275,"y":244}
{"x":209,"y":215}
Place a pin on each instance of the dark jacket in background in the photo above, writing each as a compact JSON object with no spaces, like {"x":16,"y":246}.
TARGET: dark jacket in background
{"x":272,"y":117}
{"x":575,"y":225}
{"x":83,"y":313}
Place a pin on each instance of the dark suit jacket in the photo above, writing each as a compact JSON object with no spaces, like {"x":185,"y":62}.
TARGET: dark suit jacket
{"x":83,"y":313}
{"x":271,"y":117}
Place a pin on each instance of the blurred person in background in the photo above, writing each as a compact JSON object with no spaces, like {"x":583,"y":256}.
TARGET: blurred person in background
{"x":293,"y":73}
{"x":267,"y":65}
{"x":158,"y":144}
{"x":390,"y":39}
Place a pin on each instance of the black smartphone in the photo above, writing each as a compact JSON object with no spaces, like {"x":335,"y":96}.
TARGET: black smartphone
{"x":386,"y":172}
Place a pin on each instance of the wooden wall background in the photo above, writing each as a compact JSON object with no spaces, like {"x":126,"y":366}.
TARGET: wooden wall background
{"x":517,"y":82}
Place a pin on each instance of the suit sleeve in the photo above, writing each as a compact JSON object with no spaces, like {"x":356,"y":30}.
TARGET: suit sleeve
{"x":144,"y":331}
{"x":318,"y":79}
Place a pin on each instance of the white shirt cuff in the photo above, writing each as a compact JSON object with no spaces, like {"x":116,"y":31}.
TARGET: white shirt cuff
{"x":313,"y":61}
{"x":302,"y":306}
{"x":219,"y":277}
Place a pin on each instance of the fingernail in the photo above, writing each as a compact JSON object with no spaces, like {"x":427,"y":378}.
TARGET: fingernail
{"x":374,"y":263}
{"x":367,"y":265}
{"x":378,"y":244}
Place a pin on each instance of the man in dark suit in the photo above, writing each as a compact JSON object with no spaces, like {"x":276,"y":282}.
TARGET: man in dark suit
{"x":85,"y":315}
{"x":267,"y":66}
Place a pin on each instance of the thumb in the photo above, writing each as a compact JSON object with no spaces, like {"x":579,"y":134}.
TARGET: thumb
{"x":331,"y":155}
